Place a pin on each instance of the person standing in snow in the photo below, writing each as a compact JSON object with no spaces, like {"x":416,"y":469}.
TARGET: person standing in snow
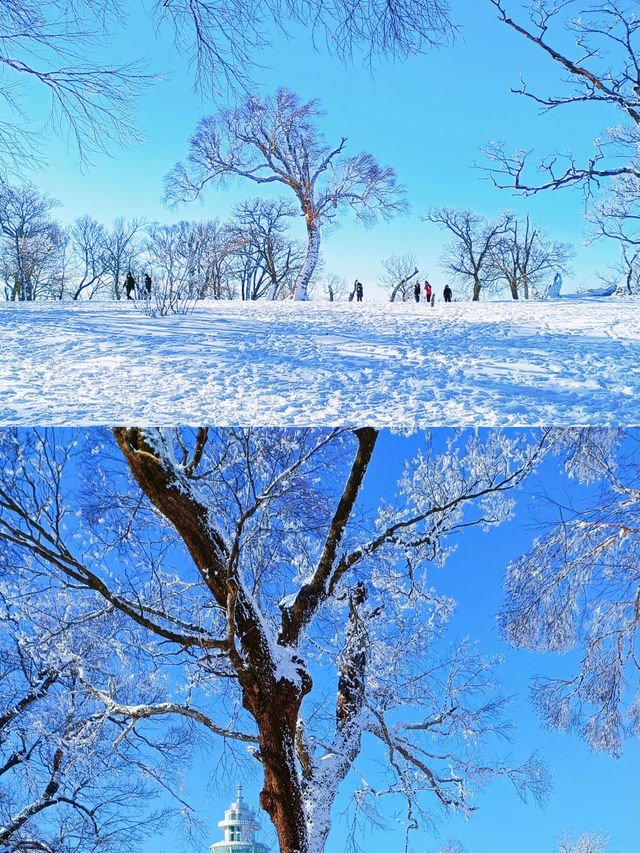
{"x":129,"y":285}
{"x":147,"y":284}
{"x":427,"y":290}
{"x":416,"y":291}
{"x":359,"y":291}
{"x":447,"y":293}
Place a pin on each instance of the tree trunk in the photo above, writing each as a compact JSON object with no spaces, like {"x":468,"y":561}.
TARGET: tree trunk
{"x":300,"y":290}
{"x":273,"y":701}
{"x":27,"y":288}
{"x":476,"y":289}
{"x":513,"y":287}
{"x":281,"y":795}
{"x":395,"y":290}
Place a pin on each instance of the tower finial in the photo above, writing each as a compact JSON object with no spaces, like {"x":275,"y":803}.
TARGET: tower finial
{"x":239,"y":791}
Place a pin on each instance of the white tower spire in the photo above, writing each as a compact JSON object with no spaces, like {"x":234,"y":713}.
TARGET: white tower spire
{"x":239,"y":827}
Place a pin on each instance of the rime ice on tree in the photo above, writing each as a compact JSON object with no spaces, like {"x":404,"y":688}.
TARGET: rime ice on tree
{"x":239,"y":826}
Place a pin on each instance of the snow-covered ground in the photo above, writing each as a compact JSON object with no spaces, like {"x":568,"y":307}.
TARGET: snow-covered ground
{"x":321,"y":363}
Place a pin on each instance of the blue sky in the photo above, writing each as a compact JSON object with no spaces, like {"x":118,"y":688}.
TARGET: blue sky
{"x":591,"y":792}
{"x":428,"y":117}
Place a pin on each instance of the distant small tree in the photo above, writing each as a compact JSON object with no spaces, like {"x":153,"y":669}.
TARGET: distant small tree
{"x":276,"y":141}
{"x":525,"y":257}
{"x":398,"y":270}
{"x":88,"y":239}
{"x":587,"y":842}
{"x":269,"y":258}
{"x":209,"y":255}
{"x":30,"y":238}
{"x":335,"y":286}
{"x":625,"y":273}
{"x":47,"y":259}
{"x":121,"y":249}
{"x":468,"y":256}
{"x":169,"y":250}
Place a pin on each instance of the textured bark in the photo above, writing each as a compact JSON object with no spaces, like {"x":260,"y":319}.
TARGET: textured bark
{"x":301,"y":286}
{"x":274,"y":705}
{"x":276,"y":715}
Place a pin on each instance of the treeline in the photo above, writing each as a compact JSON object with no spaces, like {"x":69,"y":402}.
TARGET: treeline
{"x":253,"y":255}
{"x":250,"y":256}
{"x":505,"y":254}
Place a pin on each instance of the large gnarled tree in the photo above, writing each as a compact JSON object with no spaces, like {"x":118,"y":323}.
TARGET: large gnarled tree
{"x":276,"y":141}
{"x":288,"y":615}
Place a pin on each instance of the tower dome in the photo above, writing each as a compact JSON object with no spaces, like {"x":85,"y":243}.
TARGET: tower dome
{"x":239,"y":826}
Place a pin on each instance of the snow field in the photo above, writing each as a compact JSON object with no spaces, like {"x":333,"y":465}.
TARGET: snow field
{"x":318,"y":363}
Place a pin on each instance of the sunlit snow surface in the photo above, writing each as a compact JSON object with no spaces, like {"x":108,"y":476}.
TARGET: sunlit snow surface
{"x":320,"y":363}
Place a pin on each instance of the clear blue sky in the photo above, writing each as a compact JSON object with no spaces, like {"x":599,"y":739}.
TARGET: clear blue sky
{"x":591,"y":792}
{"x":428,"y":117}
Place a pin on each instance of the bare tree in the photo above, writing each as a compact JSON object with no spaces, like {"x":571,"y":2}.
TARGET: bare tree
{"x":577,"y":587}
{"x":469,"y":255}
{"x":88,"y":240}
{"x":50,"y":47}
{"x":625,"y":274}
{"x":222,"y":40}
{"x":537,"y":257}
{"x":47,"y":260}
{"x":398,"y":270}
{"x":525,"y":258}
{"x":616,"y":216}
{"x":335,"y":286}
{"x":271,"y":259}
{"x":63,"y":786}
{"x":121,"y":249}
{"x":29,"y":237}
{"x":191,"y":260}
{"x":208,"y":253}
{"x":604,"y":68}
{"x":302,"y":620}
{"x":586,"y":842}
{"x":277,"y":141}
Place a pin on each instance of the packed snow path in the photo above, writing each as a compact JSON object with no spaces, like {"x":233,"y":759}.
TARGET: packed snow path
{"x":321,"y":363}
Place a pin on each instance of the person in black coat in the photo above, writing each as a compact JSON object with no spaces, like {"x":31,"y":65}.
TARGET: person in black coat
{"x":129,"y":285}
{"x":359,"y":291}
{"x":416,"y":291}
{"x":447,"y":293}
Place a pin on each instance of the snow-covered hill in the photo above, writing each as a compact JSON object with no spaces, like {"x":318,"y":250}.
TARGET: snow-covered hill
{"x":322,"y":363}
